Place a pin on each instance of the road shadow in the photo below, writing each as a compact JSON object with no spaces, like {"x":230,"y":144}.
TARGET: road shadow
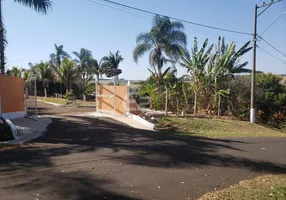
{"x":148,"y":148}
{"x":83,"y":134}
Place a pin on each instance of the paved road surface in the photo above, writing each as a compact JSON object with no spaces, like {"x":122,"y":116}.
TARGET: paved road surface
{"x":98,"y":158}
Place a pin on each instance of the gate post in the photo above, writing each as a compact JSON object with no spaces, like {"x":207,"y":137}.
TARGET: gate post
{"x":128,"y":97}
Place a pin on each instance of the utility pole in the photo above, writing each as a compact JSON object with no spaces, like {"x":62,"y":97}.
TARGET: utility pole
{"x":252,"y":101}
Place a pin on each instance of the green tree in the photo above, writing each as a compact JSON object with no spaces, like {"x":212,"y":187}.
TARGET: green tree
{"x":83,"y":58}
{"x":16,"y":71}
{"x":224,"y":64}
{"x":94,"y":68}
{"x":41,"y":6}
{"x":57,"y":57}
{"x":196,"y":64}
{"x":164,"y":42}
{"x":27,"y":76}
{"x":67,"y":74}
{"x":111,"y":62}
{"x":44,"y":72}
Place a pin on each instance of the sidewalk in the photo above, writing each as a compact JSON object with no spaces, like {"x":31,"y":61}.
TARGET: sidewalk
{"x":29,"y":129}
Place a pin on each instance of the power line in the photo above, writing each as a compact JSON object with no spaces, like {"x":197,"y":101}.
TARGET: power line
{"x":273,"y":47}
{"x":272,"y":55}
{"x":113,"y":8}
{"x":173,"y":18}
{"x":273,"y":23}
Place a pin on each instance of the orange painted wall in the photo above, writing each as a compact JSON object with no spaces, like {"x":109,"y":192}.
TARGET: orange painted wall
{"x":12,"y":94}
{"x":107,"y":103}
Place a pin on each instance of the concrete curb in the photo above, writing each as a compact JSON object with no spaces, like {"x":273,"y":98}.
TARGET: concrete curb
{"x":38,"y":133}
{"x":54,"y":104}
{"x":13,"y":129}
{"x":140,"y":120}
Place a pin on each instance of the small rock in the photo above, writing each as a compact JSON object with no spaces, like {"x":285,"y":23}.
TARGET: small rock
{"x":263,"y":148}
{"x":92,"y":168}
{"x":182,"y":182}
{"x":159,"y":187}
{"x":63,"y":171}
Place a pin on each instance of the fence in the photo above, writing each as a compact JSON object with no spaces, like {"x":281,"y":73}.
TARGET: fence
{"x":12,"y":102}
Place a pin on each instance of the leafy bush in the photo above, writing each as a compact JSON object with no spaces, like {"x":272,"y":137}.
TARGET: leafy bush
{"x":70,"y":97}
{"x":164,"y":126}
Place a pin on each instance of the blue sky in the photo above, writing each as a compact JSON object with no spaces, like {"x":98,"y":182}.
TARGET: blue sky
{"x":81,"y":24}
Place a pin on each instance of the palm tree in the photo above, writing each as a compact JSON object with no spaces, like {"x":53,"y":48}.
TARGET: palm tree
{"x":111,"y":62}
{"x":44,"y":72}
{"x":83,"y":60}
{"x":15,"y":71}
{"x":94,"y":68}
{"x":67,"y":73}
{"x":27,"y":76}
{"x":41,"y":6}
{"x":57,"y":57}
{"x":164,"y":42}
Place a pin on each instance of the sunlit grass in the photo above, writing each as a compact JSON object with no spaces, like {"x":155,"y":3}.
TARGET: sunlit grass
{"x":263,"y":187}
{"x":208,"y":127}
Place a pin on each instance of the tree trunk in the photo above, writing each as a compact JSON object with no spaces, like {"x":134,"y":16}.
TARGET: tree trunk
{"x":166,"y":103}
{"x":177,"y":110}
{"x":97,"y":78}
{"x":45,"y":90}
{"x":2,"y":58}
{"x":218,"y":107}
{"x":83,"y":86}
{"x":151,"y":105}
{"x":67,"y":90}
{"x":195,"y":103}
{"x":61,"y":88}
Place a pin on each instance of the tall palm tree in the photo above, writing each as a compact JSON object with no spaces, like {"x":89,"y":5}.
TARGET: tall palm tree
{"x":41,"y":6}
{"x":94,"y":68}
{"x":57,"y":57}
{"x":67,"y":73}
{"x":164,"y":42}
{"x":83,"y":58}
{"x":111,"y":62}
{"x":44,"y":72}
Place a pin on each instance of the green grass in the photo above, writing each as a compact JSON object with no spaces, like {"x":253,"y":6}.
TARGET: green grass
{"x":53,"y":100}
{"x":261,"y":188}
{"x":208,"y":127}
{"x":79,"y":103}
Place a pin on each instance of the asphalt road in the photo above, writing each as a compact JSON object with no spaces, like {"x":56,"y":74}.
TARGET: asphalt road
{"x":98,"y":158}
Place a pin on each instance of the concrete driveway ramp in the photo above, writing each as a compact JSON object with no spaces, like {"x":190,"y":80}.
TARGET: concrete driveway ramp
{"x":129,"y":119}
